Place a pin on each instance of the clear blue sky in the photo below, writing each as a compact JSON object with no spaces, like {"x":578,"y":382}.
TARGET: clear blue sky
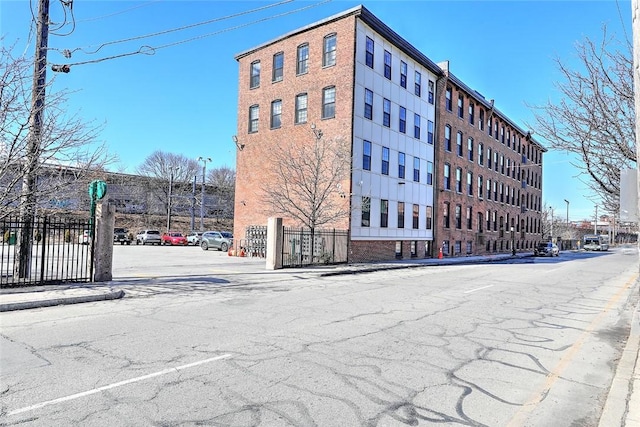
{"x":183,"y":99}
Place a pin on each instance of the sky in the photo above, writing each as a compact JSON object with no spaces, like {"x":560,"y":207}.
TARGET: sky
{"x":177,"y":91}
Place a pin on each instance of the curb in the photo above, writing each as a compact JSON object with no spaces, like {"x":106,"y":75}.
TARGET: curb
{"x":61,"y":301}
{"x":618,"y":404}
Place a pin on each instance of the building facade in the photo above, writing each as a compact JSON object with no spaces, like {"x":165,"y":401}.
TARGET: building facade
{"x":361,"y":84}
{"x":489,"y":197}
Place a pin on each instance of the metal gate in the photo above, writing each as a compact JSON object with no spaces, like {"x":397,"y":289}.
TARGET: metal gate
{"x":302,"y":247}
{"x":59,"y":251}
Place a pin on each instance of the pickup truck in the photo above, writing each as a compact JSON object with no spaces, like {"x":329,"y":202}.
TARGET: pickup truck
{"x":121,"y":236}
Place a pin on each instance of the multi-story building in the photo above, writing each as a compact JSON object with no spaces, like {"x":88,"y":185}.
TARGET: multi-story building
{"x":489,"y":176}
{"x":360,"y":83}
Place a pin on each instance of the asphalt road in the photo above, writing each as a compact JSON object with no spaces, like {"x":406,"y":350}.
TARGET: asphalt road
{"x":215,"y":342}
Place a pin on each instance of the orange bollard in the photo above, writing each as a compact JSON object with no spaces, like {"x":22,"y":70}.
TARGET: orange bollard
{"x":440,"y":254}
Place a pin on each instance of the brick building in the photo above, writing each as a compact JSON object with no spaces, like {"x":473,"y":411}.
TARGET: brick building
{"x":489,"y":176}
{"x":360,"y":83}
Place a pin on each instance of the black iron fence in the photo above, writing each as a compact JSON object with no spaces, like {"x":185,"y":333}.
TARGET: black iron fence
{"x":56,"y":250}
{"x":308,"y":247}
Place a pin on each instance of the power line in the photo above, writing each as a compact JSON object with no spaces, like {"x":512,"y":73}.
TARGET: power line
{"x":150,"y":50}
{"x":96,"y":18}
{"x":185,"y":27}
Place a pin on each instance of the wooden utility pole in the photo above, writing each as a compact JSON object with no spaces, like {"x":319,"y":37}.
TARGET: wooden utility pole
{"x":32,"y":158}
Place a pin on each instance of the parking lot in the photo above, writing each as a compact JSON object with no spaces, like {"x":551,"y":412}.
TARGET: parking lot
{"x":138,"y":261}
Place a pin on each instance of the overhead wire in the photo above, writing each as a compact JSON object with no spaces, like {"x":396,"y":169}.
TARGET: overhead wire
{"x":96,"y":18}
{"x":150,"y":50}
{"x":185,"y":27}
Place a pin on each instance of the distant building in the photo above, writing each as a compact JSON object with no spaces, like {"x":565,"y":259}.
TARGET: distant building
{"x":358,"y":80}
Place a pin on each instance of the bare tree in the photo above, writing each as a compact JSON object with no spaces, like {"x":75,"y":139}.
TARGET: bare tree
{"x":66,"y":140}
{"x":307,"y":181}
{"x":594,"y":115}
{"x":164,"y":167}
{"x":223,"y":181}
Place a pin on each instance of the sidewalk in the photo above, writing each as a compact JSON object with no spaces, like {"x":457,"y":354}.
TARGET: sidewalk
{"x":622,"y":407}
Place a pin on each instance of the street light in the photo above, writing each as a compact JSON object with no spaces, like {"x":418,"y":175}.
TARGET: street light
{"x":171,"y":170}
{"x":513,"y":242}
{"x":567,"y":202}
{"x":204,"y":161}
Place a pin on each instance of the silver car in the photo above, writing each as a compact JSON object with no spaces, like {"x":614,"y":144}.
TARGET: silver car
{"x":152,"y":237}
{"x":220,"y":240}
{"x":194,"y":237}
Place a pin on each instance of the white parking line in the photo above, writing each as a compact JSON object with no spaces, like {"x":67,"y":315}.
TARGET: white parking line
{"x":114,"y":385}
{"x":477,"y":289}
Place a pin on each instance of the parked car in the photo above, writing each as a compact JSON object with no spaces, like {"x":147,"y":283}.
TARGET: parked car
{"x":151,"y":237}
{"x":546,"y":249}
{"x":120,"y":235}
{"x":194,"y":237}
{"x":173,"y":238}
{"x":84,"y":238}
{"x":220,"y":240}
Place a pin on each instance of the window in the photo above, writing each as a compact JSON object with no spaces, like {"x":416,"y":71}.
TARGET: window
{"x":255,"y":74}
{"x":254,"y":115}
{"x":432,"y":86}
{"x":329,"y":56}
{"x":469,"y":247}
{"x":418,"y":84}
{"x":366,"y":155}
{"x":447,"y":138}
{"x":445,"y":215}
{"x":447,"y":99}
{"x":386,"y":112}
{"x":328,"y":102}
{"x":400,"y":214}
{"x":368,"y":104}
{"x":369,"y":53}
{"x":461,"y":106}
{"x":502,"y":134}
{"x":471,"y":111}
{"x":416,"y":216}
{"x":429,"y":173}
{"x":447,"y":176}
{"x":480,"y":187}
{"x":459,"y":144}
{"x":480,"y":220}
{"x":303,"y":59}
{"x":429,"y":225}
{"x":385,"y":161}
{"x":402,"y":125}
{"x":430,"y":131}
{"x":387,"y":64}
{"x":403,"y":74}
{"x":301,"y":108}
{"x":480,"y":154}
{"x":416,"y":169}
{"x":276,"y":114}
{"x":416,"y":126}
{"x":469,"y":218}
{"x":487,"y":218}
{"x":384,"y":213}
{"x":489,"y":157}
{"x":366,"y":211}
{"x":458,"y":180}
{"x":401,"y":165}
{"x":495,"y":160}
{"x":469,"y":183}
{"x":470,"y":149}
{"x":481,"y":120}
{"x":458,"y":215}
{"x":278,"y":67}
{"x":489,"y":121}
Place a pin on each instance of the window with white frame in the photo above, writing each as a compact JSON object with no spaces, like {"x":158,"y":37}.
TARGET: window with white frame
{"x":469,"y":183}
{"x":418,"y":84}
{"x":416,"y":169}
{"x":448,"y":103}
{"x":429,"y":218}
{"x":400,"y":214}
{"x":447,"y":176}
{"x":430,"y":131}
{"x":416,"y":126}
{"x":369,"y":52}
{"x":458,"y":180}
{"x":430,"y":97}
{"x":384,"y":213}
{"x":470,"y":149}
{"x":447,"y":138}
{"x":402,"y":124}
{"x":301,"y":108}
{"x":429,"y":173}
{"x":416,"y":216}
{"x":368,"y":104}
{"x":276,"y":114}
{"x":403,"y":74}
{"x":461,"y":106}
{"x":385,"y":161}
{"x":401,"y":165}
{"x":459,"y":144}
{"x":366,"y":212}
{"x":366,"y":155}
{"x":387,"y":64}
{"x":386,"y":112}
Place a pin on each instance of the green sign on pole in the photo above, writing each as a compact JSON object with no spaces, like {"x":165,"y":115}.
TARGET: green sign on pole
{"x":97,"y":191}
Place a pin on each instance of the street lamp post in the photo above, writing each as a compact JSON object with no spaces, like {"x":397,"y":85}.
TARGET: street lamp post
{"x":204,"y":161}
{"x":171,"y":170}
{"x":567,"y":202}
{"x":513,"y":242}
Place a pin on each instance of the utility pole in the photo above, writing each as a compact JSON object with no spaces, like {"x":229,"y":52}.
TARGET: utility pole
{"x":30,"y":166}
{"x":204,"y":175}
{"x":595,"y":223}
{"x":635,"y":26}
